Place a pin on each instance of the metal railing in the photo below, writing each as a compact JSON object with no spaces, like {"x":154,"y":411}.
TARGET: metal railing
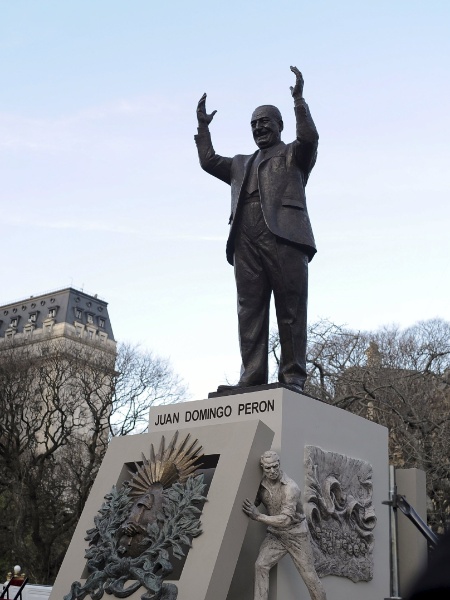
{"x":18,"y":595}
{"x":395,"y":502}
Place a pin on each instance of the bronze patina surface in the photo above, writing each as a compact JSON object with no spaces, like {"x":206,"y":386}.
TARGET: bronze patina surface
{"x":271,"y":241}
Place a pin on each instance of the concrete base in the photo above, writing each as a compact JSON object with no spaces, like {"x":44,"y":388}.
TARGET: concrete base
{"x":239,"y":429}
{"x":297,"y":421}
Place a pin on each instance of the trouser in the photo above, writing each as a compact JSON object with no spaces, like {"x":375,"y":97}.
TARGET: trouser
{"x":272,"y":551}
{"x":265,"y":263}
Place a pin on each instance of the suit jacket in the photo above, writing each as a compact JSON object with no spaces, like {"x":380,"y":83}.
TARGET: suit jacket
{"x":282,"y":177}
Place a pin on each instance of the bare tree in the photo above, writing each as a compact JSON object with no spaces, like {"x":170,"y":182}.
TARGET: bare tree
{"x":59,"y":404}
{"x":141,"y":380}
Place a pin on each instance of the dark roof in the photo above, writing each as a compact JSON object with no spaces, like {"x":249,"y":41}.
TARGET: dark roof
{"x":71,"y":306}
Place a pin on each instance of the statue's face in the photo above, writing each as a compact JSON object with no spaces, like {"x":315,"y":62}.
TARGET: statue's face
{"x":271,"y":469}
{"x":266,"y":128}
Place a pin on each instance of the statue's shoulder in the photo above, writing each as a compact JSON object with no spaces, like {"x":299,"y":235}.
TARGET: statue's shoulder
{"x":292,"y":146}
{"x":286,"y":480}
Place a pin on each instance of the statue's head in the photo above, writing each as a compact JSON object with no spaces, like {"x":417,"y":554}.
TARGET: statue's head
{"x":267,"y":125}
{"x":270,"y":464}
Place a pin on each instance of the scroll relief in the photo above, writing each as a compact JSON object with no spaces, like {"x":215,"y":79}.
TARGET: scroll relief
{"x":143,"y":526}
{"x":340,"y":513}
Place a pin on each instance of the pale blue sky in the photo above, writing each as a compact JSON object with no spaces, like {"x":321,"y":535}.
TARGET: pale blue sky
{"x":100,"y":182}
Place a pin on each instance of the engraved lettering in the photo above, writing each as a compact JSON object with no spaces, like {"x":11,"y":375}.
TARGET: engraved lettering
{"x":167,"y":419}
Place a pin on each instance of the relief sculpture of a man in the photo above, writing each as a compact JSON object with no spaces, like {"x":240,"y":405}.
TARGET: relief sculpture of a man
{"x":287,"y":529}
{"x":271,"y":241}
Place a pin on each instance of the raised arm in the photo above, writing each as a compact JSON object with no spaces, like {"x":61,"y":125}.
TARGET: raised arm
{"x":307,"y":136}
{"x":212,"y":163}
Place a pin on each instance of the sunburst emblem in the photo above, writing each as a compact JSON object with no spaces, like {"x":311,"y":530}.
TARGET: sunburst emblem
{"x":168,"y":466}
{"x":145,"y":525}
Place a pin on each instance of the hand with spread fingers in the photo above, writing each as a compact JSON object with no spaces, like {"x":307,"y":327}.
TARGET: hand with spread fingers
{"x":250,"y":509}
{"x":297,"y":90}
{"x":202,"y":116}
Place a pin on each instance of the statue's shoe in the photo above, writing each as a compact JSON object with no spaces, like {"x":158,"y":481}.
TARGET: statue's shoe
{"x":237,"y":386}
{"x":295,"y":386}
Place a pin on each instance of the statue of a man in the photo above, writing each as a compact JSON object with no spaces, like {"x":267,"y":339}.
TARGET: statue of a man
{"x":271,"y":240}
{"x":287,"y":529}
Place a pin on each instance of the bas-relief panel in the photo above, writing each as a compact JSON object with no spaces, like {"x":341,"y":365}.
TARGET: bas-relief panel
{"x":341,"y":518}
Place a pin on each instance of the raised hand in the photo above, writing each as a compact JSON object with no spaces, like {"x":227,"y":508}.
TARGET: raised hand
{"x":202,"y":116}
{"x":297,"y":90}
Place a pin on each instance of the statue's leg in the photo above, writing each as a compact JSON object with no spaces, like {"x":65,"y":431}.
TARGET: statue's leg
{"x":270,"y":553}
{"x":289,"y":282}
{"x":253,"y":298}
{"x":299,"y":547}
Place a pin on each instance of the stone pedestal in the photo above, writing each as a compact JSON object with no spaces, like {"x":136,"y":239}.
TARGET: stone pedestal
{"x":297,"y":421}
{"x":312,"y":439}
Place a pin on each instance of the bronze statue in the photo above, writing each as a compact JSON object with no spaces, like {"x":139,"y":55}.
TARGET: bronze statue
{"x":271,"y":240}
{"x":287,"y":530}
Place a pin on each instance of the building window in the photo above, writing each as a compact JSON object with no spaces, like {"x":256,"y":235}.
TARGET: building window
{"x":28,"y":330}
{"x":14,"y":321}
{"x":90,"y":318}
{"x":90,"y":334}
{"x":78,"y":313}
{"x":52,"y":313}
{"x":32,"y":318}
{"x":101,"y":323}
